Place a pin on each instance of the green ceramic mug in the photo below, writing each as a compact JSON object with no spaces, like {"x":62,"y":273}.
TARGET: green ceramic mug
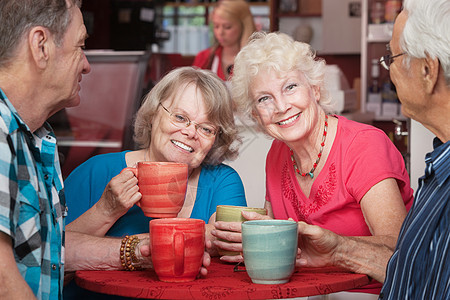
{"x":230,"y":213}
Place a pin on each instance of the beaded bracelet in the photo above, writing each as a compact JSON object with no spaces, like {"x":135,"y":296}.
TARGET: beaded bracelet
{"x":127,"y":253}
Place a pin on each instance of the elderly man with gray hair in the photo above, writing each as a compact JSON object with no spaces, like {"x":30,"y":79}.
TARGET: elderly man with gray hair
{"x":41,"y":64}
{"x":419,"y":66}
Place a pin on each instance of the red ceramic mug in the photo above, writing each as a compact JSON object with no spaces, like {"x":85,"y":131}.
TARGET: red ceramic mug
{"x":177,"y":246}
{"x":163,"y":187}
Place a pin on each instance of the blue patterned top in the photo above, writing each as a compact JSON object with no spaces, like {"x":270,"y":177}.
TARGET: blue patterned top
{"x":420,"y":266}
{"x":31,"y":201}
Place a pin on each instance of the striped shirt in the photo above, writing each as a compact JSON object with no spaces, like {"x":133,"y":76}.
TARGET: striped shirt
{"x":31,"y":209}
{"x":420,"y":265}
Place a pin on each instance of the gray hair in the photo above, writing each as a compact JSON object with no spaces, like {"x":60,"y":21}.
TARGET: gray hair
{"x":426,"y":32}
{"x":276,"y":52}
{"x":217,"y":101}
{"x":17,"y":17}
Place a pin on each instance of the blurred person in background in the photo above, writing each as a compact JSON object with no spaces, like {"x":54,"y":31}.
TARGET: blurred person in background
{"x":233,"y":24}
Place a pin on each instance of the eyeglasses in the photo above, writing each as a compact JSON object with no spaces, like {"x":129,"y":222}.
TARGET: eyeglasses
{"x":204,"y":129}
{"x":388,"y":59}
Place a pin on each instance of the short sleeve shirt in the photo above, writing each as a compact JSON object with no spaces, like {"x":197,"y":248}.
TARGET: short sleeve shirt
{"x":360,"y":157}
{"x":32,"y":204}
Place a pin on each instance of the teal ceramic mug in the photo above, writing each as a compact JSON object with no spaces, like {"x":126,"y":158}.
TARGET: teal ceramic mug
{"x":270,"y":250}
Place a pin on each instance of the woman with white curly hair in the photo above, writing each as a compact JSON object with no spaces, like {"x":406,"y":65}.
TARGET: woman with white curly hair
{"x":322,"y":169}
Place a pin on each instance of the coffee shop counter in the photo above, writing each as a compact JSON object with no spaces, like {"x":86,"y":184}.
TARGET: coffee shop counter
{"x":224,"y":281}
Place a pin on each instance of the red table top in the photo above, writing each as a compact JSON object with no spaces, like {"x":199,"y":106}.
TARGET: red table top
{"x":220,"y":283}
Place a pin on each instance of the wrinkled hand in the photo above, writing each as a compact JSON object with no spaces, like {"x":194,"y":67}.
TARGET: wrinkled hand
{"x":231,"y":232}
{"x":142,"y":252}
{"x":317,"y":246}
{"x":120,"y":194}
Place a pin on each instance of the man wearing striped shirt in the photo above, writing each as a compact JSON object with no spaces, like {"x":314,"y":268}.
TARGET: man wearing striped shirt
{"x":420,"y":265}
{"x":41,"y":64}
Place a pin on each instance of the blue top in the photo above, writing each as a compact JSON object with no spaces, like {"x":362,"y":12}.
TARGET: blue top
{"x":31,"y":209}
{"x":420,"y":265}
{"x":217,"y":185}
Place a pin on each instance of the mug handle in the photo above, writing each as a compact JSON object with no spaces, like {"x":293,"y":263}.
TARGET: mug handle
{"x":135,"y":172}
{"x":178,"y":251}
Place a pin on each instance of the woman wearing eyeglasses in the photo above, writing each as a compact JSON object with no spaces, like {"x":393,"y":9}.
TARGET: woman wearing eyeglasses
{"x":345,"y":177}
{"x":187,"y":117}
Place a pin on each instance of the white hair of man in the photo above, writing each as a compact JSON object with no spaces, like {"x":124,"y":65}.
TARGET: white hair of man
{"x":426,"y":32}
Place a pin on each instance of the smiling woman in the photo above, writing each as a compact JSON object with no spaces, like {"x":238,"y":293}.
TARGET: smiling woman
{"x":187,"y":117}
{"x":317,"y":167}
{"x":172,"y":142}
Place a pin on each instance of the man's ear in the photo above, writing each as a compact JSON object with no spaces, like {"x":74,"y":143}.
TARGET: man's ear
{"x":39,"y":42}
{"x":430,"y":69}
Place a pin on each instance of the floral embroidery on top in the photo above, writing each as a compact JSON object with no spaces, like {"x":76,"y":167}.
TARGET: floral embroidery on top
{"x":325,"y":191}
{"x":302,"y":209}
{"x":288,"y":192}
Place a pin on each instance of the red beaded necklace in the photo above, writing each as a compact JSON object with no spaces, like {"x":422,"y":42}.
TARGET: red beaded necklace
{"x":311,"y":173}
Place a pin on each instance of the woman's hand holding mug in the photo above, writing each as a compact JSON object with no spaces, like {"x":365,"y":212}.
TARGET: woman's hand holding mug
{"x":231,"y":233}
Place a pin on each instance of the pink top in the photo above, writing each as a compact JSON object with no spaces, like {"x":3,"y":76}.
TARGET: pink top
{"x":201,"y":60}
{"x":360,"y":157}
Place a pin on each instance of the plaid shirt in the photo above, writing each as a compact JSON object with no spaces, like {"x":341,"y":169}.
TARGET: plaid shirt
{"x":32,"y":202}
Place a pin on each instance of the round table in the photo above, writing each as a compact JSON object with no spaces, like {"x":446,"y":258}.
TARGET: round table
{"x":222,"y":282}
